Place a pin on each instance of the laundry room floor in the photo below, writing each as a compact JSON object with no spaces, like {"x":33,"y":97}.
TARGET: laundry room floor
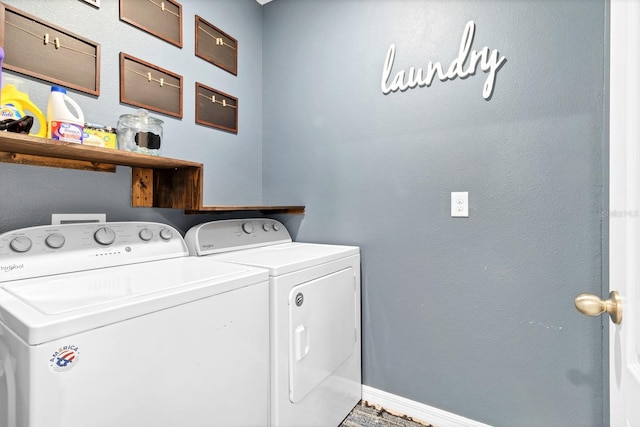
{"x":366,"y":415}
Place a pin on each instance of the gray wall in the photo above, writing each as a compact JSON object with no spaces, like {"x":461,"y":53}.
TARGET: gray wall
{"x":473,"y":316}
{"x":233,"y":163}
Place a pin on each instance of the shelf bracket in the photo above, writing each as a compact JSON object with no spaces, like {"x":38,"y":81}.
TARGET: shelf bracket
{"x":179,"y":188}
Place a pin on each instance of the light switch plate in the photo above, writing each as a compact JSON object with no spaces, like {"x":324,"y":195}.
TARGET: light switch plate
{"x":460,"y":204}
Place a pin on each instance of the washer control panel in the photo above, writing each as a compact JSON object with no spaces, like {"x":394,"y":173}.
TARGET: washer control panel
{"x":64,"y":248}
{"x":234,"y":234}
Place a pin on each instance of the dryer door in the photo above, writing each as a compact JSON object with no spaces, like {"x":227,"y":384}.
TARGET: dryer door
{"x":322,"y":330}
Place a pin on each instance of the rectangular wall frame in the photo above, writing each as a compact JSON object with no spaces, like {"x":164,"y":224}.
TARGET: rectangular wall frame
{"x":148,"y":86}
{"x":215,"y":46}
{"x":162,"y":19}
{"x":216,"y":109}
{"x":94,"y":3}
{"x":45,"y":51}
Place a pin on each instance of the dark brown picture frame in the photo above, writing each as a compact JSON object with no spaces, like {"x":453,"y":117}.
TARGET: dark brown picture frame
{"x":94,"y":3}
{"x":160,"y":18}
{"x":216,"y":109}
{"x":39,"y":49}
{"x":148,"y":86}
{"x":215,"y":46}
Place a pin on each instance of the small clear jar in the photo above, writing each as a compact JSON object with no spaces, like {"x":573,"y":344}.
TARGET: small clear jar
{"x":140,"y":133}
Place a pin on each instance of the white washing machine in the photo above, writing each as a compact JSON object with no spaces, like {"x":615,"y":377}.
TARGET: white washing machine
{"x":113,"y":324}
{"x":315,"y":316}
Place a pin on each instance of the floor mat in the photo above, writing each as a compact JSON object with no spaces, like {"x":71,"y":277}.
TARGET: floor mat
{"x":366,"y":415}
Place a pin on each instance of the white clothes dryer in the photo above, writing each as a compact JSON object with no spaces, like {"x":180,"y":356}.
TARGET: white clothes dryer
{"x":113,"y":324}
{"x":314,"y":294}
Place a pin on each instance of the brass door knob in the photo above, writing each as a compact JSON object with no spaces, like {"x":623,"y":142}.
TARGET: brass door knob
{"x":592,"y":305}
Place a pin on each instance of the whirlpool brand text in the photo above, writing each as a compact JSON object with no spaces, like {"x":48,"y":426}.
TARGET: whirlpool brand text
{"x":9,"y":268}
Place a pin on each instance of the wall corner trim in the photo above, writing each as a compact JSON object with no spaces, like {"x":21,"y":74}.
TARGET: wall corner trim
{"x":416,"y":410}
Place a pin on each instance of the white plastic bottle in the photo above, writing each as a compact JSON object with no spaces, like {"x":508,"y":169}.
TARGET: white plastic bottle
{"x":62,"y":123}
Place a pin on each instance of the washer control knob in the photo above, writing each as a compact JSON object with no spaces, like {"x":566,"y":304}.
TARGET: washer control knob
{"x":247,"y":227}
{"x":104,"y":236}
{"x":55,"y":240}
{"x":146,"y":234}
{"x":276,"y":226}
{"x":20,"y":244}
{"x":266,"y":226}
{"x":166,"y":234}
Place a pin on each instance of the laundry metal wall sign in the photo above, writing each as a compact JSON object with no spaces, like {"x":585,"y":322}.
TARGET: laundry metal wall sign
{"x":464,"y":65}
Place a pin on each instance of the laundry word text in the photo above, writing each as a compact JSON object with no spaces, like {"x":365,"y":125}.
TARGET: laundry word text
{"x":489,"y":61}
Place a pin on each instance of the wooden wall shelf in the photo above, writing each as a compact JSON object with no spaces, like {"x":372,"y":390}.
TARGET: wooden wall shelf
{"x":158,"y":182}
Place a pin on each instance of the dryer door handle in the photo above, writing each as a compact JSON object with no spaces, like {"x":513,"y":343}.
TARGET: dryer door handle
{"x":302,"y":342}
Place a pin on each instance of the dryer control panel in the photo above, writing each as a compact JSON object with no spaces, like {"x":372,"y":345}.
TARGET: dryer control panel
{"x":235,"y":234}
{"x":64,"y":248}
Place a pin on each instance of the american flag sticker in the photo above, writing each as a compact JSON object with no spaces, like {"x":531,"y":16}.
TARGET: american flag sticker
{"x":64,"y":358}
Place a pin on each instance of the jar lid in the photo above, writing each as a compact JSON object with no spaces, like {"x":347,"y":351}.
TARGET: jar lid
{"x":140,"y":118}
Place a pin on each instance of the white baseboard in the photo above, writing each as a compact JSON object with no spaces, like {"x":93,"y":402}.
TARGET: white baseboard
{"x":416,"y":410}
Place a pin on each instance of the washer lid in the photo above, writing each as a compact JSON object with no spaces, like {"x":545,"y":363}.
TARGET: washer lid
{"x":288,"y":257}
{"x":42,"y":309}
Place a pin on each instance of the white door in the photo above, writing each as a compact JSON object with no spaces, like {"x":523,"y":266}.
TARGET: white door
{"x":624,"y":175}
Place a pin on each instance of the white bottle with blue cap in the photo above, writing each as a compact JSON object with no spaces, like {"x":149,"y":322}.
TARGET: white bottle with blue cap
{"x":62,"y":123}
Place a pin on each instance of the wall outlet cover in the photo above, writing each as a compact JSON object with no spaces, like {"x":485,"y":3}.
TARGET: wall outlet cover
{"x":460,"y":204}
